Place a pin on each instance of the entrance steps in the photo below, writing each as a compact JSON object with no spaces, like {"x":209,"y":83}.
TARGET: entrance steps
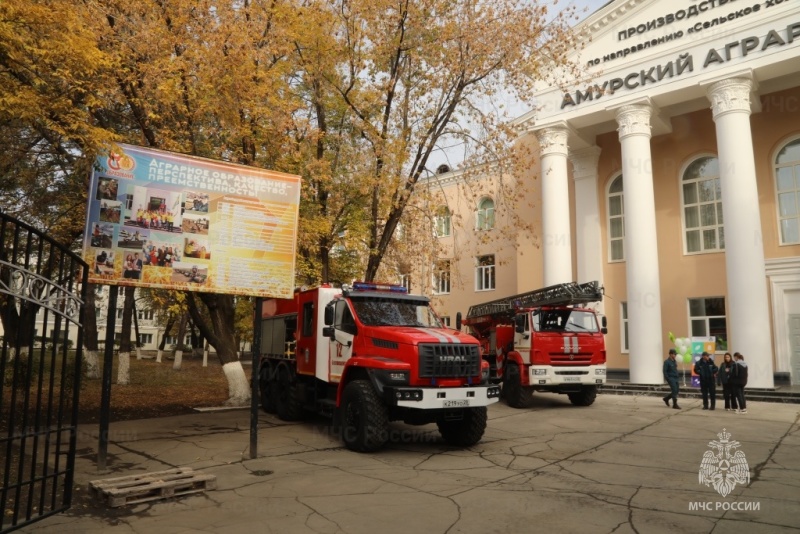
{"x":786,"y":394}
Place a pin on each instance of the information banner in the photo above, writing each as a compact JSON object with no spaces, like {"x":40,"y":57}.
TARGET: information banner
{"x":165,"y":220}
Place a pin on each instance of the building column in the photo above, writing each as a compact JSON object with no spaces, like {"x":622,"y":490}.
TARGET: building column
{"x":641,"y":250}
{"x":748,"y":307}
{"x":556,"y":232}
{"x":587,"y":215}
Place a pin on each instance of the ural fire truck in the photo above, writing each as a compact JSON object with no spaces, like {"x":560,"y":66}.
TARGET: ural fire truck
{"x":543,"y":340}
{"x":370,"y":354}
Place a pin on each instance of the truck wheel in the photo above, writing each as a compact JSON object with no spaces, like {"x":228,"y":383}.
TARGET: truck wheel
{"x":288,"y":405}
{"x":467,"y":431}
{"x":266,"y":388}
{"x":584,"y":397}
{"x":365,"y":420}
{"x":517,"y":395}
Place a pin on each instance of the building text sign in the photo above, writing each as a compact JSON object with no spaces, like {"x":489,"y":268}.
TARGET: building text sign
{"x":165,"y":220}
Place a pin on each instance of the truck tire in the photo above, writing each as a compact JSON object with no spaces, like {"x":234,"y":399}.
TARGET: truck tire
{"x":467,"y":431}
{"x":289,"y":405}
{"x":266,"y":388}
{"x":516,"y":395}
{"x":584,"y":397}
{"x":364,"y":418}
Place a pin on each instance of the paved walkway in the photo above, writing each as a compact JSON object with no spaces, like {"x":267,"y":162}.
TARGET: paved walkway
{"x":627,"y":464}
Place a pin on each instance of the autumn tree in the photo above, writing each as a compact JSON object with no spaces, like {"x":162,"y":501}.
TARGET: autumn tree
{"x":394,"y":81}
{"x":355,"y":96}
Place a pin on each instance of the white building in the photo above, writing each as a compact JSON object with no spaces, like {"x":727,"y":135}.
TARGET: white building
{"x":671,"y":175}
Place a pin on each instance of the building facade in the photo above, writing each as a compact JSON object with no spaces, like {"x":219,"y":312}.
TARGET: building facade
{"x":671,"y":174}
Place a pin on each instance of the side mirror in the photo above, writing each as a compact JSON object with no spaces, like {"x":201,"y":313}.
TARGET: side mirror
{"x":328,"y":331}
{"x":328,"y":318}
{"x":604,"y":325}
{"x":519,"y":324}
{"x":458,"y":321}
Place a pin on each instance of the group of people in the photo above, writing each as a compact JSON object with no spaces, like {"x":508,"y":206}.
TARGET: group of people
{"x":731,"y":375}
{"x":161,"y":219}
{"x":160,"y":256}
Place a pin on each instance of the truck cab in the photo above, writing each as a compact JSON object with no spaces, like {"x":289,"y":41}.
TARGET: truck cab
{"x":544,"y":340}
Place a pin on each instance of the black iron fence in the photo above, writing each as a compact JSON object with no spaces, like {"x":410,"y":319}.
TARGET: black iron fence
{"x":42,"y":288}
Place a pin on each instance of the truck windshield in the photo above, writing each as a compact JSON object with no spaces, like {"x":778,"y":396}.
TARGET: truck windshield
{"x":393,"y":312}
{"x":564,"y":320}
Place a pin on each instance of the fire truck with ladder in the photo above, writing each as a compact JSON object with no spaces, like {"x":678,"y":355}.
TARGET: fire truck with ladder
{"x":543,"y":340}
{"x":367,"y":355}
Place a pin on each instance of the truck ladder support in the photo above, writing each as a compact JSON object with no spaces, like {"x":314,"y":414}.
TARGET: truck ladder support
{"x":567,"y":294}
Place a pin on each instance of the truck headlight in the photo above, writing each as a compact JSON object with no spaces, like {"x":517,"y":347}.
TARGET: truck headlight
{"x":600,"y":372}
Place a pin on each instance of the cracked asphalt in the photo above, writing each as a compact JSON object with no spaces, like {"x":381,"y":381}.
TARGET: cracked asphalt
{"x":626,"y":464}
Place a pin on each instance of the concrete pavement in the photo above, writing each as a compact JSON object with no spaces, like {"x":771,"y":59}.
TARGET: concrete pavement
{"x":626,"y":464}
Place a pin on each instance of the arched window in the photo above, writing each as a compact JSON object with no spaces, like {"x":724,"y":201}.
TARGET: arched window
{"x":616,"y":221}
{"x":702,"y":206}
{"x":442,"y":222}
{"x":787,"y":189}
{"x":484,"y":216}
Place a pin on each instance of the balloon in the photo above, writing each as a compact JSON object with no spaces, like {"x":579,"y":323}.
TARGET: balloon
{"x":687,"y":358}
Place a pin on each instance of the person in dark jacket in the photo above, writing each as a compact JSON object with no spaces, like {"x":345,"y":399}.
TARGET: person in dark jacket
{"x":671,"y":376}
{"x":706,"y":369}
{"x":724,"y":380}
{"x":739,"y":379}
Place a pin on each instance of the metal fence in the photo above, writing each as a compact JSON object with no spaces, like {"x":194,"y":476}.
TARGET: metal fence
{"x":42,"y":299}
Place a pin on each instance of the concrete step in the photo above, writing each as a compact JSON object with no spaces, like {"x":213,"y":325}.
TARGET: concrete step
{"x":778,"y":394}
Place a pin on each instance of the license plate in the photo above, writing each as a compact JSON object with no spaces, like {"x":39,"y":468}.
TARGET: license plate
{"x":456,"y":403}
{"x":572,"y":379}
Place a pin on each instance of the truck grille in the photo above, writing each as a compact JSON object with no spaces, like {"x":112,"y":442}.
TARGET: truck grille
{"x":570,"y":359}
{"x":442,"y":360}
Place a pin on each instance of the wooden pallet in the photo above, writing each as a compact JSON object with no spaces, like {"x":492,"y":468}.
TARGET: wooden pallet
{"x":145,"y":487}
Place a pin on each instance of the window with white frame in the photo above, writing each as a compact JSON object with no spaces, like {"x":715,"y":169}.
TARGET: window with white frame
{"x":624,"y":327}
{"x":484,"y":273}
{"x":442,"y":222}
{"x":446,"y":320}
{"x":145,"y":339}
{"x":405,"y":281}
{"x":616,"y":221}
{"x":484,"y":216}
{"x":701,"y":194}
{"x":173,"y":340}
{"x":441,"y":277}
{"x":707,"y":317}
{"x":787,"y":189}
{"x":146,"y":315}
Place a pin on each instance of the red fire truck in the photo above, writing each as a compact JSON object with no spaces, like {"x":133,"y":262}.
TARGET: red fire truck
{"x":543,"y":341}
{"x":370,"y":354}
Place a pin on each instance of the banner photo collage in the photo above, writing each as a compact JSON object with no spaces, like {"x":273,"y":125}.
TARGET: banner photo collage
{"x":165,"y":220}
